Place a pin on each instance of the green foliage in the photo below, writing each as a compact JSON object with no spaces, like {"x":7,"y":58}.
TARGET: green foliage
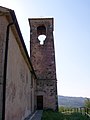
{"x":87,"y":103}
{"x":77,"y":116}
{"x":51,"y":115}
{"x":63,"y":109}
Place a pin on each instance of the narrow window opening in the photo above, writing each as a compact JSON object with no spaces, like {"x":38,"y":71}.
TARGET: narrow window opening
{"x":41,"y":33}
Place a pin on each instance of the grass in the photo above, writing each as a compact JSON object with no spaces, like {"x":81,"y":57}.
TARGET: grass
{"x":51,"y":115}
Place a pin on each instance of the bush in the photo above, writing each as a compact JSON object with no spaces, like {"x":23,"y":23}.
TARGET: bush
{"x":87,"y":103}
{"x":51,"y":115}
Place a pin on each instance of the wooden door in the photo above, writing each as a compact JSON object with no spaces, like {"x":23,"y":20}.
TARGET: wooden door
{"x":39,"y":102}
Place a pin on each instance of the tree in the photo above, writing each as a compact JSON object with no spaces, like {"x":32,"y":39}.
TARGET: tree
{"x":87,"y":103}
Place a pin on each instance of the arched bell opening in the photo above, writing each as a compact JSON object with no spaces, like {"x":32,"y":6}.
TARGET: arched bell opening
{"x":41,"y":33}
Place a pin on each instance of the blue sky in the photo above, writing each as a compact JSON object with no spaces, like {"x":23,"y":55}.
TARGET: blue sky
{"x":71,"y":37}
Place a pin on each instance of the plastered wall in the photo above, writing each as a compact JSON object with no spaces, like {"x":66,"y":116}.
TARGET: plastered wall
{"x":3,"y":26}
{"x":18,"y":105}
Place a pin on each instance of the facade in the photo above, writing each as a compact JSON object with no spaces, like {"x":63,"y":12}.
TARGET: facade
{"x":24,"y":85}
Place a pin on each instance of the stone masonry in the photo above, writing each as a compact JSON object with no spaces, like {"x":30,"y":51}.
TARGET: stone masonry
{"x":43,"y":60}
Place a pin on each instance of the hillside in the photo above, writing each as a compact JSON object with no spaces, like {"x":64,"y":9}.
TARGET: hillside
{"x":71,"y":101}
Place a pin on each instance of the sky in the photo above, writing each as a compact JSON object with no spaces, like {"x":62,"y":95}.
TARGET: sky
{"x":71,"y":38}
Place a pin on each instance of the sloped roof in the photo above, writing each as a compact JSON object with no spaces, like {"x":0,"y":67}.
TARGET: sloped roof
{"x":10,"y":14}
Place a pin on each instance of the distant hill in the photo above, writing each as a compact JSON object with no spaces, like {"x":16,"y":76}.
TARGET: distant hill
{"x":71,"y":101}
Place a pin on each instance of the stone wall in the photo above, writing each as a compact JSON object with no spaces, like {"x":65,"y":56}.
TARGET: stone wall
{"x":43,"y":60}
{"x":47,"y":88}
{"x":43,"y":56}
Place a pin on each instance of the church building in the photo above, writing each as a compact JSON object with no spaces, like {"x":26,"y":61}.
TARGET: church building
{"x":27,"y":83}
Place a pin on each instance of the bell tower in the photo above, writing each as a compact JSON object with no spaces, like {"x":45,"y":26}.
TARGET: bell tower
{"x":42,"y":55}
